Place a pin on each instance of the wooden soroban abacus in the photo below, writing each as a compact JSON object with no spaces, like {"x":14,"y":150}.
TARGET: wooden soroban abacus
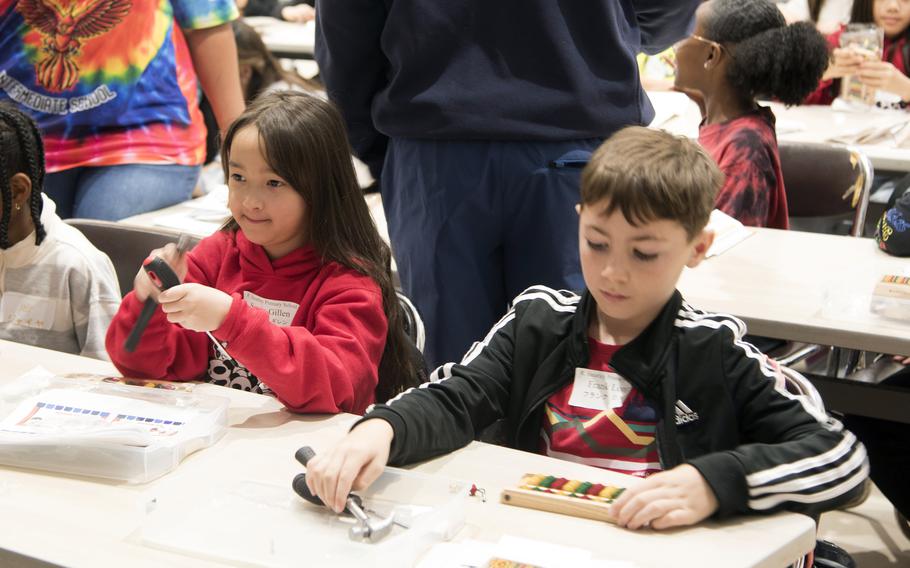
{"x":564,"y":496}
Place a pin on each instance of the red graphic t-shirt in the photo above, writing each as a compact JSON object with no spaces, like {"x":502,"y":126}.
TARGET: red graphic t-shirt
{"x":620,"y":439}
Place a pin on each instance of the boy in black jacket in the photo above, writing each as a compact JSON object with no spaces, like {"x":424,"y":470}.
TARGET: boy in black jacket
{"x":626,"y":376}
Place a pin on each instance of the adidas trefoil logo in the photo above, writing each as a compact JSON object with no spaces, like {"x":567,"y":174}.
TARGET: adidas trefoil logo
{"x":684,"y":414}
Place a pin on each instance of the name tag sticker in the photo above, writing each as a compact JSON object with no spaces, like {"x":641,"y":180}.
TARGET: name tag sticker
{"x":21,"y":310}
{"x":280,"y":312}
{"x":599,"y":390}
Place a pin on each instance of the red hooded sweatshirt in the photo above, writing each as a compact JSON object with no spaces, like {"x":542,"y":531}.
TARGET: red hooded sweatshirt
{"x":312,"y":333}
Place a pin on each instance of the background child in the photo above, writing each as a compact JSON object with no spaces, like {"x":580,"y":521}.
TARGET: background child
{"x":742,"y":49}
{"x":700,"y":408}
{"x":260,"y":72}
{"x":56,"y":290}
{"x":297,"y":287}
{"x":890,"y":75}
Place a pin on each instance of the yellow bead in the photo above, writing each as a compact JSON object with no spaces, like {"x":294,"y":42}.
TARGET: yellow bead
{"x":532,"y":480}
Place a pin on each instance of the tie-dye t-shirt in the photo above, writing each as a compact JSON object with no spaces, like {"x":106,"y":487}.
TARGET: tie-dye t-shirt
{"x":109,"y":81}
{"x":745,"y":150}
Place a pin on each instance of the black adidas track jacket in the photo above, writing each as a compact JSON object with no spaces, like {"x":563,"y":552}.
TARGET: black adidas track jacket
{"x":760,"y":448}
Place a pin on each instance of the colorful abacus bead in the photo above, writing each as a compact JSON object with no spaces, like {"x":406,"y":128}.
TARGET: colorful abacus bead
{"x":532,"y":480}
{"x":607,"y":492}
{"x":582,"y":490}
{"x":571,"y":486}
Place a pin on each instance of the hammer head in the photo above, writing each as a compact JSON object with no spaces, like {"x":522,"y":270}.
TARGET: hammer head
{"x":373,"y":529}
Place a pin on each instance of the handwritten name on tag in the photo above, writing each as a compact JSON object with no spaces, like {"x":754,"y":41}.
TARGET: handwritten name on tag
{"x":22,"y":310}
{"x":280,"y":312}
{"x":598,"y":390}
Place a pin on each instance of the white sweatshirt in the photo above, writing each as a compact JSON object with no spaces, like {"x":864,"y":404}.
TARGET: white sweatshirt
{"x":61,"y":294}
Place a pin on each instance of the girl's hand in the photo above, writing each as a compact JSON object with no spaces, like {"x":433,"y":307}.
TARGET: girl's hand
{"x":844,"y":61}
{"x":885,"y":76}
{"x":902,"y":360}
{"x":195,"y":307}
{"x":673,"y":498}
{"x":353,"y":464}
{"x":143,"y":285}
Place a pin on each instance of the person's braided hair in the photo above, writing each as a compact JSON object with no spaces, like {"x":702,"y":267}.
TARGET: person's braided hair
{"x":21,"y":151}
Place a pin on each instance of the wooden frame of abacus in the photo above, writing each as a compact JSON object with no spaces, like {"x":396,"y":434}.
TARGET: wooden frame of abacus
{"x":564,"y":496}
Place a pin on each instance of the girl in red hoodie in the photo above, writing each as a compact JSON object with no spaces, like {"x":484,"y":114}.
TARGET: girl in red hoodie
{"x":743,"y":49}
{"x":891,"y":76}
{"x":296,"y":287}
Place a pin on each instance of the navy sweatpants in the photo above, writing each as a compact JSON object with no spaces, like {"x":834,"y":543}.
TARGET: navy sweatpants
{"x":473,"y":223}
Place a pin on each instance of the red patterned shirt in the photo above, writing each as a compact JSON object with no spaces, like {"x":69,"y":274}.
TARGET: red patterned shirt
{"x":620,"y":439}
{"x":745,"y":149}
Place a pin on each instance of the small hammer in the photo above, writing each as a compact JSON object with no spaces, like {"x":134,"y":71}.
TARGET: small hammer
{"x":366,"y":528}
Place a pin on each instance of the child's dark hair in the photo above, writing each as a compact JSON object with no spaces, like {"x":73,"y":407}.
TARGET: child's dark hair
{"x":303,"y":139}
{"x":21,"y":151}
{"x":862,"y":14}
{"x":769,"y":57}
{"x":266,"y":70}
{"x":650,"y":174}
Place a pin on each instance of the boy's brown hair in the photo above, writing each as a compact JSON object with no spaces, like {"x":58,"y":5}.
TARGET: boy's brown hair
{"x":650,"y":174}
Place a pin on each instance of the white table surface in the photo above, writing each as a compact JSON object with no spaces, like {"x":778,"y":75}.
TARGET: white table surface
{"x":802,"y":287}
{"x":80,"y":522}
{"x":285,"y":37}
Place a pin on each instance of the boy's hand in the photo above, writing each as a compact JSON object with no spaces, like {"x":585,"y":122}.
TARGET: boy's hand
{"x":673,"y":498}
{"x":195,"y":307}
{"x":143,"y":285}
{"x":844,"y":61}
{"x":353,"y":464}
{"x":885,"y":76}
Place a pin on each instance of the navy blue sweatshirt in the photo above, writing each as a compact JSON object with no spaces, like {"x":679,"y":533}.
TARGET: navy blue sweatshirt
{"x":546,"y":70}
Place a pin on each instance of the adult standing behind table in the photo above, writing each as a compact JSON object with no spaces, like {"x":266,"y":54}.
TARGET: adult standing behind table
{"x":113,"y":87}
{"x":477,"y":116}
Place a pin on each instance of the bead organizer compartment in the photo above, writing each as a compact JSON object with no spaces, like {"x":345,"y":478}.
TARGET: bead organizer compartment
{"x":564,"y":496}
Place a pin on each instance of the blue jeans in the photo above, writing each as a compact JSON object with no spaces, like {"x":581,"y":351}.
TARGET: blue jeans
{"x":115,"y":192}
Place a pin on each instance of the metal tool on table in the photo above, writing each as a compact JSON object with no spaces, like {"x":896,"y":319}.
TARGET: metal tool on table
{"x":368,"y":528}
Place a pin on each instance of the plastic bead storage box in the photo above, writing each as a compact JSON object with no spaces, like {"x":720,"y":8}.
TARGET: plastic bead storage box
{"x":104,"y":427}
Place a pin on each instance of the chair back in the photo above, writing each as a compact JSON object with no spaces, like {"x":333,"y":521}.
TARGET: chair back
{"x":126,"y":246}
{"x":826,"y":181}
{"x":798,"y":384}
{"x":413,"y":323}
